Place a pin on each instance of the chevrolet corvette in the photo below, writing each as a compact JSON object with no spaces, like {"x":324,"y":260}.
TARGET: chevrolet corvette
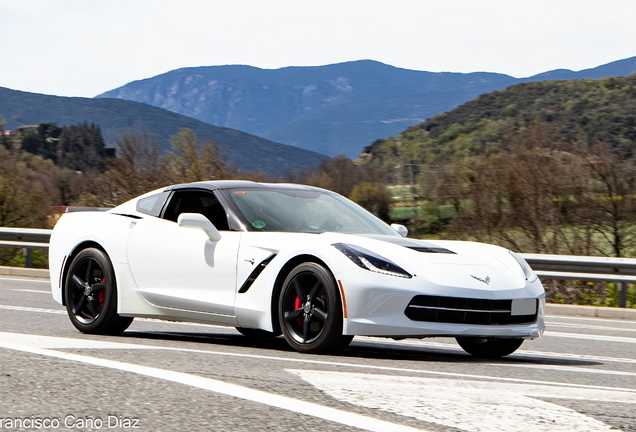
{"x":272,"y":259}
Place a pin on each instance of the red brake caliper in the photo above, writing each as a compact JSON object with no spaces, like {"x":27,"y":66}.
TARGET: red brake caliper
{"x":102,"y":294}
{"x":297,"y":305}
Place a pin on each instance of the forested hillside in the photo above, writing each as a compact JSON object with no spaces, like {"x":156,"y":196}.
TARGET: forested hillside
{"x":579,"y":112}
{"x":114,"y":116}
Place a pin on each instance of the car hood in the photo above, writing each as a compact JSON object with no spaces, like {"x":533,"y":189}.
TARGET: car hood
{"x":456,"y":263}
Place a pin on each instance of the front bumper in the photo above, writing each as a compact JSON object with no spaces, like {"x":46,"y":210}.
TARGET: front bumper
{"x":376,"y":305}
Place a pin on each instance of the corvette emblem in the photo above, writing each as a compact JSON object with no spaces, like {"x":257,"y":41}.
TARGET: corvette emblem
{"x":486,"y":280}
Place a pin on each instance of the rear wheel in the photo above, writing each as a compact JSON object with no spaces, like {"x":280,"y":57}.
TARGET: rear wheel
{"x":91,"y":294}
{"x":310,"y":310}
{"x":489,"y":347}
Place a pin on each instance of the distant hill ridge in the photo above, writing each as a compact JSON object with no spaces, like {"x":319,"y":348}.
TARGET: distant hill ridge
{"x":337,"y":108}
{"x":251,"y":153}
{"x":580,"y":112}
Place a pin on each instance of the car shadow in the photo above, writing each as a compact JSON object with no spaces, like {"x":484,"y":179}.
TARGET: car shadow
{"x":359,"y":349}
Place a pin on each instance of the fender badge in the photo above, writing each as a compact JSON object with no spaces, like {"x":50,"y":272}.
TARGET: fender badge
{"x":486,"y":280}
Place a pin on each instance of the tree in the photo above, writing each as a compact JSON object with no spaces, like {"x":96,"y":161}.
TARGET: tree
{"x":23,"y":195}
{"x":139,"y":167}
{"x":82,"y":148}
{"x":612,"y":212}
{"x":4,"y":140}
{"x":533,"y":199}
{"x":190,"y":161}
{"x":340,"y":174}
{"x":374,"y":197}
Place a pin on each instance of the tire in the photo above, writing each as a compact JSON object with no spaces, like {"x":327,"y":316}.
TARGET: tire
{"x":91,"y":294}
{"x":310,"y":310}
{"x":489,"y":347}
{"x":256,"y":333}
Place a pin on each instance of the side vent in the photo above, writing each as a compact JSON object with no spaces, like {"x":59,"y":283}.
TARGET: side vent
{"x":257,"y":271}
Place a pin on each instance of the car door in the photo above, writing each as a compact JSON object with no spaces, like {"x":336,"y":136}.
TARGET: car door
{"x":181,"y":268}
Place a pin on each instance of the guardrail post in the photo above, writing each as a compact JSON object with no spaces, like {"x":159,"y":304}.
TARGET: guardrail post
{"x":622,"y":294}
{"x":28,"y":258}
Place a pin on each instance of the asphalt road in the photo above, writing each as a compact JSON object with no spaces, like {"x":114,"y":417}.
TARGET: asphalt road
{"x":161,"y":376}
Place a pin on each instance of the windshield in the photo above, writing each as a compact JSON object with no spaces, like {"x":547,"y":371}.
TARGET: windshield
{"x":293,"y":210}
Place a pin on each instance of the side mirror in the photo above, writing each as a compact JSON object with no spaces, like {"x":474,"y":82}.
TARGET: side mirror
{"x":196,"y":220}
{"x":401,"y":229}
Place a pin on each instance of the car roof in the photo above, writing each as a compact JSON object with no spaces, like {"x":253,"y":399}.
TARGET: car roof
{"x":238,"y":184}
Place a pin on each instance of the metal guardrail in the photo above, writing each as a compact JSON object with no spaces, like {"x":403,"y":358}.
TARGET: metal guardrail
{"x":583,"y":268}
{"x":26,"y":238}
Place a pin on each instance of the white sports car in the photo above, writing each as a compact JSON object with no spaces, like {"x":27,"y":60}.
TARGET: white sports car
{"x":291,"y":259}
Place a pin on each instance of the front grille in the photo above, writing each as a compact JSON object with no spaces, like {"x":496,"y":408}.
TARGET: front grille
{"x":458,"y":310}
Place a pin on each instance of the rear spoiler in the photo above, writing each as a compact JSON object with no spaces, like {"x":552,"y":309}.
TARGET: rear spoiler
{"x":86,"y":209}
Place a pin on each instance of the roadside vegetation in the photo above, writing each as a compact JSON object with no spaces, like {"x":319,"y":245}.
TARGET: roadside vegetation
{"x":538,"y":168}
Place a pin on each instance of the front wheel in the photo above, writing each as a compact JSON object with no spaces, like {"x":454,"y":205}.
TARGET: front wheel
{"x":489,"y":347}
{"x":310,"y":310}
{"x":91,"y":294}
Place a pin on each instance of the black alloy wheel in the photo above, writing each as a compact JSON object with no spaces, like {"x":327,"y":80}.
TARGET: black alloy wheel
{"x":91,"y":294}
{"x":489,"y":347}
{"x":310,"y":310}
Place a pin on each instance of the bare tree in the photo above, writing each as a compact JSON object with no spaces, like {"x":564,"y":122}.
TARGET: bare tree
{"x":612,"y":214}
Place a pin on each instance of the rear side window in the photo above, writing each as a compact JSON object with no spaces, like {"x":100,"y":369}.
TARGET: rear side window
{"x":153,"y":204}
{"x":197,"y":201}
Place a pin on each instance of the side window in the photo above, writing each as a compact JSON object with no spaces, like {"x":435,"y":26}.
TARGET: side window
{"x":153,"y":204}
{"x":197,"y":201}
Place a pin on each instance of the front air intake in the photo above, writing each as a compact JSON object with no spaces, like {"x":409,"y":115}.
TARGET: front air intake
{"x":458,"y":310}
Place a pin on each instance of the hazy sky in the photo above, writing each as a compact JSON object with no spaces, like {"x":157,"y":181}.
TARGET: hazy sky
{"x":85,"y":47}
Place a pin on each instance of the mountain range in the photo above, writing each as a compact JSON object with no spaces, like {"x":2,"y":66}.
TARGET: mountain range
{"x":114,"y":116}
{"x":332,"y":109}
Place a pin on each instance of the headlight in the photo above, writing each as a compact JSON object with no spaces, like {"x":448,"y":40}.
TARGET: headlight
{"x":531,"y":276}
{"x":370,"y":261}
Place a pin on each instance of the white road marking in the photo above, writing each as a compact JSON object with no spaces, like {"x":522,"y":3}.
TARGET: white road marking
{"x":467,"y":405}
{"x":566,"y":369}
{"x":33,"y":291}
{"x":33,"y":309}
{"x":584,"y":326}
{"x":624,"y":321}
{"x":295,"y":405}
{"x":53,"y":342}
{"x":63,"y":312}
{"x":61,"y":343}
{"x":590,"y":337}
{"x":26,"y":280}
{"x":517,"y":354}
